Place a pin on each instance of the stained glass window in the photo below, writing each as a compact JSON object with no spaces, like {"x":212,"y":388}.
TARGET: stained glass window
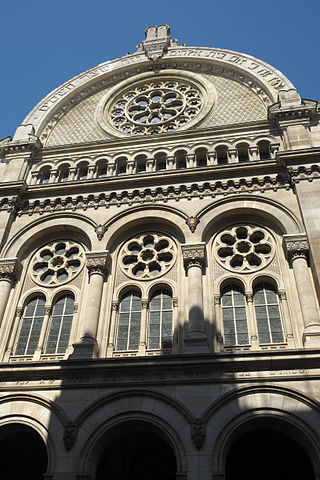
{"x":31,"y":326}
{"x":60,"y":325}
{"x":266,"y":304}
{"x":234,"y":316}
{"x":128,"y":336}
{"x":160,"y":320}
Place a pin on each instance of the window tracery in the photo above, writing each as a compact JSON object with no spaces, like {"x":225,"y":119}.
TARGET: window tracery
{"x":160,"y":320}
{"x":60,"y":325}
{"x":57,"y":263}
{"x":31,"y":326}
{"x":266,"y":304}
{"x":234,"y":316}
{"x":129,"y":321}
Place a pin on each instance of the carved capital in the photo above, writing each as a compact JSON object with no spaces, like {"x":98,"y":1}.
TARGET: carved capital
{"x":282,"y":295}
{"x":145,"y":304}
{"x":114,"y":306}
{"x":198,"y":433}
{"x":175,"y":302}
{"x":296,"y":246}
{"x":19,"y":312}
{"x":97,"y":262}
{"x":47,"y":310}
{"x":9,"y":269}
{"x":193,"y":255}
{"x":216,"y":300}
{"x":192,"y":223}
{"x":249,"y":297}
{"x":70,"y":436}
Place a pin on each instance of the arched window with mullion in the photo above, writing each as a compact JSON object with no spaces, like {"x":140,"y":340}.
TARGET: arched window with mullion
{"x":31,"y":325}
{"x":266,"y":305}
{"x":60,"y":325}
{"x":234,"y":316}
{"x":129,"y":321}
{"x":160,"y":320}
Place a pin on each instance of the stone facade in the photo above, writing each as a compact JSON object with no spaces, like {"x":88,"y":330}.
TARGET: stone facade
{"x":160,"y":261}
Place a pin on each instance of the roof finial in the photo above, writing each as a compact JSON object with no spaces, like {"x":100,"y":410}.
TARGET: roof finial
{"x":156,"y":42}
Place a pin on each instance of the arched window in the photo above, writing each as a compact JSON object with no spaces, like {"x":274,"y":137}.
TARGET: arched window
{"x":160,"y":320}
{"x":234,"y":316}
{"x":32,"y":321}
{"x":63,"y":173}
{"x":60,"y":325}
{"x":201,"y":157}
{"x":102,"y":168}
{"x":181,"y":159}
{"x":222,"y":154}
{"x":141,"y":163}
{"x":266,"y":304}
{"x":44,"y":175}
{"x":83,"y":171}
{"x":243,"y":152}
{"x":121,"y":166}
{"x":264,"y":150}
{"x":161,"y":161}
{"x":129,"y":320}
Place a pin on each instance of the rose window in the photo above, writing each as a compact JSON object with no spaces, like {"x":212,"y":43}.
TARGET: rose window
{"x":244,"y":248}
{"x":148,"y":256}
{"x":156,"y":107}
{"x":57,"y":263}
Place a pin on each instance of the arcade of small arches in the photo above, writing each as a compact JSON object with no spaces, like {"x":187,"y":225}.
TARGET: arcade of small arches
{"x":145,"y":434}
{"x":222,"y":154}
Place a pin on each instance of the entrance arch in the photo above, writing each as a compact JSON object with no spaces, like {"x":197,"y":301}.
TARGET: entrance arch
{"x":135,"y":449}
{"x":264,"y":449}
{"x":23,"y":453}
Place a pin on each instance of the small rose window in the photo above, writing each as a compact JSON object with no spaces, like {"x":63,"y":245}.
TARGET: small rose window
{"x":57,"y":263}
{"x":147,"y":256}
{"x":244,"y":248}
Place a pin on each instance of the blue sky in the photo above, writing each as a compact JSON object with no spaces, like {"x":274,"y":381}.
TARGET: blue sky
{"x":44,"y":43}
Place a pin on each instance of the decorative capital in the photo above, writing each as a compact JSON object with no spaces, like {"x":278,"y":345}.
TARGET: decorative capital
{"x":296,"y":246}
{"x":198,"y":433}
{"x":193,"y":255}
{"x":100,"y":231}
{"x":97,"y":262}
{"x":216,"y":300}
{"x":9,"y":269}
{"x":249,"y":297}
{"x":192,"y":223}
{"x":145,"y":304}
{"x":19,"y":311}
{"x":70,"y":435}
{"x":282,"y":295}
{"x":175,"y":302}
{"x":114,"y":306}
{"x":47,"y":310}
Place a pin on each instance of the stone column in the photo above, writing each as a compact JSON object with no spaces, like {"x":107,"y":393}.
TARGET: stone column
{"x":97,"y":263}
{"x":233,"y":155}
{"x":72,"y":173}
{"x":194,"y":261}
{"x":150,"y":165}
{"x":254,"y":153}
{"x":113,"y":320}
{"x":297,"y":248}
{"x":12,"y":333}
{"x":251,"y":322}
{"x":9,"y":269}
{"x":130,"y":167}
{"x":143,"y":328}
{"x":286,"y":318}
{"x":39,"y":350}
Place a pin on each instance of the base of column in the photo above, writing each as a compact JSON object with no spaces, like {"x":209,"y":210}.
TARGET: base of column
{"x":86,"y":348}
{"x":311,"y":336}
{"x":196,"y":342}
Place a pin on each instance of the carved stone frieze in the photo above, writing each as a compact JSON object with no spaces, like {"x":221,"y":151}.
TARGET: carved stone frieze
{"x":193,"y":255}
{"x":97,"y":262}
{"x":198,"y":433}
{"x":9,"y":269}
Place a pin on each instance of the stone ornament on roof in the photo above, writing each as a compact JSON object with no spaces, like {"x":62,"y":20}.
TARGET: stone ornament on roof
{"x":157,"y":42}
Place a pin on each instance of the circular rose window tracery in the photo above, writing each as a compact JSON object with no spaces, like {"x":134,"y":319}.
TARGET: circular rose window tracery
{"x":57,"y":263}
{"x":244,"y":248}
{"x":147,"y":256}
{"x":155,"y":103}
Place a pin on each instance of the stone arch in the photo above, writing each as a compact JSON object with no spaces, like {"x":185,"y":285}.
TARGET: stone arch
{"x":244,"y":404}
{"x":26,"y":237}
{"x":172,"y":219}
{"x":262,"y":207}
{"x":152,"y":407}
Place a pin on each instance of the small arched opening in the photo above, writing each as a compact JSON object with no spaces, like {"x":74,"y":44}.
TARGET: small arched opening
{"x":23,"y":453}
{"x":121,"y":166}
{"x":141,"y":163}
{"x":243,"y":152}
{"x":222,"y":155}
{"x":264,"y":150}
{"x":267,"y":449}
{"x":135,"y":450}
{"x":181,"y":159}
{"x":161,"y":161}
{"x":201,"y":155}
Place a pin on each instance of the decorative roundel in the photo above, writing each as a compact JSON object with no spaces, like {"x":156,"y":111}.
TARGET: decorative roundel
{"x":244,"y":248}
{"x":148,"y":256}
{"x":57,"y":263}
{"x":155,"y":104}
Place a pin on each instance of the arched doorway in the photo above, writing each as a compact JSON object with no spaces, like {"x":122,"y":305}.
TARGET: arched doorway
{"x":23,"y":453}
{"x":134,"y":450}
{"x":266,"y":452}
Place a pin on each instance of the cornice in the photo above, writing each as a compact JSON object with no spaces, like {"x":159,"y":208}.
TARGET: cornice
{"x":146,"y":195}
